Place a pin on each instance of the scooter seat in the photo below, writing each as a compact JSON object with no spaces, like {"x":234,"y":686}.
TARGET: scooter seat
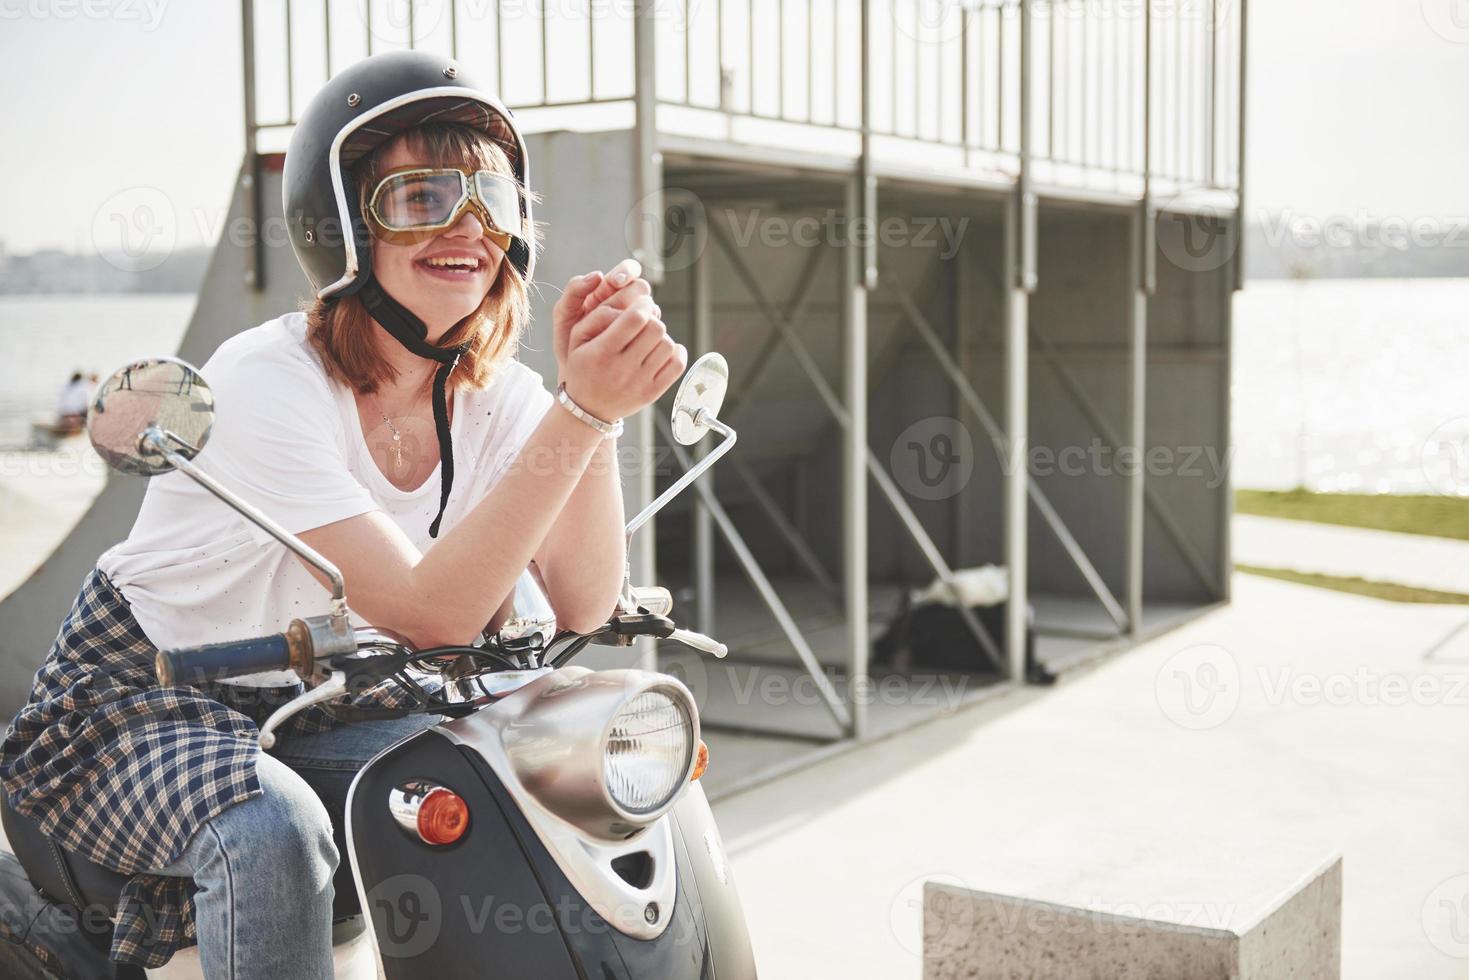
{"x":61,"y":875}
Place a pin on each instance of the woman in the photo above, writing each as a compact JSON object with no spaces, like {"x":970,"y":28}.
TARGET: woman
{"x":391,"y":428}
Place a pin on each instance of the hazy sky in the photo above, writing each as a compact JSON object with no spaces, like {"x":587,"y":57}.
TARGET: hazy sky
{"x":1354,"y":104}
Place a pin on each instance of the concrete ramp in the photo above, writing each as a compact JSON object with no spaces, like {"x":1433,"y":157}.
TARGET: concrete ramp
{"x":30,"y":616}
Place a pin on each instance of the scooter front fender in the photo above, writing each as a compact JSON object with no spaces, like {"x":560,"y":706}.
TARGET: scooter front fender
{"x":496,"y":903}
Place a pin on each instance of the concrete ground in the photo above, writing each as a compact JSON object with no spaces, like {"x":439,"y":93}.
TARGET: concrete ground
{"x":42,"y":496}
{"x":1379,"y":556}
{"x":1191,"y":779}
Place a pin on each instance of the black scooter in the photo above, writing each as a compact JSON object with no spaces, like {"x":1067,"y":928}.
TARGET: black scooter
{"x":551,"y":825}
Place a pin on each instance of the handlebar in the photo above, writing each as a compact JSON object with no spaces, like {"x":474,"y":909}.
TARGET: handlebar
{"x":193,"y":666}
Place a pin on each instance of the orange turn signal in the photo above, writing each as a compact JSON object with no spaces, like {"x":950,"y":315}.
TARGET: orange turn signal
{"x":701,"y":761}
{"x":443,"y":818}
{"x":436,"y":814}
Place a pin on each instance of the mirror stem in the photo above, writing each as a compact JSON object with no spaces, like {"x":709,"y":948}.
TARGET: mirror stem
{"x":158,"y":439}
{"x":702,"y":418}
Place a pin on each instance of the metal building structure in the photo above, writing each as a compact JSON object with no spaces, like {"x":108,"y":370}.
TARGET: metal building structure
{"x":1006,"y":226}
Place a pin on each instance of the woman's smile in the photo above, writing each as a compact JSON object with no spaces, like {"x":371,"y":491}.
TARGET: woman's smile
{"x":455,"y":265}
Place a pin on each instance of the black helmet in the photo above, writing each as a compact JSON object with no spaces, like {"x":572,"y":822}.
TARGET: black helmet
{"x":357,"y":111}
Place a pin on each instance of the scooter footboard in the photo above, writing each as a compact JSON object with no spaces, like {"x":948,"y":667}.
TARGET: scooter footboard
{"x":495,"y":902}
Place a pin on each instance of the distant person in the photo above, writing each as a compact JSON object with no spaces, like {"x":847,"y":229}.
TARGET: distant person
{"x":71,"y":406}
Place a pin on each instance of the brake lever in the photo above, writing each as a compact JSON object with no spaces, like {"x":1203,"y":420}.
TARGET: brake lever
{"x":333,"y":686}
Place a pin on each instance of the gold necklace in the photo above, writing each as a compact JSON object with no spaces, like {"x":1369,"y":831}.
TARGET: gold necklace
{"x":397,"y":440}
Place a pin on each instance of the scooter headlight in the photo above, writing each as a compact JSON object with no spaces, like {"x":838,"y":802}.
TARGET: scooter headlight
{"x":608,"y":751}
{"x":650,"y":743}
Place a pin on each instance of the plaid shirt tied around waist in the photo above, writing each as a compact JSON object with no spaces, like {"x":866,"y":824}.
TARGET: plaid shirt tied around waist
{"x":124,"y":772}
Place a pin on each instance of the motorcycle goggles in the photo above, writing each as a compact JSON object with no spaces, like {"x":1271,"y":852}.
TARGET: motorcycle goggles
{"x":415,"y":204}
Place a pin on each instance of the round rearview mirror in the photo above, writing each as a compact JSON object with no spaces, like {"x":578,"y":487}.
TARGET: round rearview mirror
{"x":699,"y":398}
{"x":162,"y":392}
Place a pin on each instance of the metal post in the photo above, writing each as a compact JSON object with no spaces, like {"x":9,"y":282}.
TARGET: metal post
{"x":1143,"y":273}
{"x":250,"y":167}
{"x":962,"y":296}
{"x":1020,"y":258}
{"x":648,"y":161}
{"x":703,"y":329}
{"x":1239,"y":248}
{"x":854,"y":457}
{"x":1137,"y":417}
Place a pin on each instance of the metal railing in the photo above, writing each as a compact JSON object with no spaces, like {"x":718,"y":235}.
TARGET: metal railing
{"x":940,"y":73}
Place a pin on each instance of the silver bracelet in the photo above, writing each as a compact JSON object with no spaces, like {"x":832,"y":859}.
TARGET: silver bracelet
{"x":613,"y":428}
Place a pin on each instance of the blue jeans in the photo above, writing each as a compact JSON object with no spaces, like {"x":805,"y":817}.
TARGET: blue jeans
{"x":264,"y":868}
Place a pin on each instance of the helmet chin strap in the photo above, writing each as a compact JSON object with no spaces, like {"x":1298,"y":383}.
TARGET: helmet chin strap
{"x":410,"y":331}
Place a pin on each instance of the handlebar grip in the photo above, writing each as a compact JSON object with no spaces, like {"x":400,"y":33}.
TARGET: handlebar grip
{"x":194,"y":666}
{"x":700,"y":642}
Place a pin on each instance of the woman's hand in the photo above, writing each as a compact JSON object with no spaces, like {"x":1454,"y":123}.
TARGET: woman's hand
{"x":612,"y":348}
{"x":619,"y":288}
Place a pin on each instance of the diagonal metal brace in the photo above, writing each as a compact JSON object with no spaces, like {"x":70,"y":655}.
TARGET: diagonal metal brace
{"x":756,"y":575}
{"x":1037,"y":496}
{"x":874,"y":466}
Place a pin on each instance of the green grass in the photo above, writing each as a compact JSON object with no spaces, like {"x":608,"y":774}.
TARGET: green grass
{"x":1442,"y":517}
{"x":1360,"y":586}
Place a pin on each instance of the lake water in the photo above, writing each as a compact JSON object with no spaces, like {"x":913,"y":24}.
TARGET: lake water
{"x":1339,"y":384}
{"x":43,"y":339}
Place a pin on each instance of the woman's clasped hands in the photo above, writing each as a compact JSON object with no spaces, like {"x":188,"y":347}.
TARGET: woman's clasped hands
{"x":612,"y":348}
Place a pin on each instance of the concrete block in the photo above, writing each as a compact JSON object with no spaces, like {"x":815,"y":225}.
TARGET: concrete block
{"x":977,"y":935}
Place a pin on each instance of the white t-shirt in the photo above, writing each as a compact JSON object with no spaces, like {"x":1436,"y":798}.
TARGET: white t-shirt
{"x":287,"y":439}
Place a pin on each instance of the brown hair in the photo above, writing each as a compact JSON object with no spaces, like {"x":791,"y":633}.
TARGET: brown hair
{"x":341,"y":329}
